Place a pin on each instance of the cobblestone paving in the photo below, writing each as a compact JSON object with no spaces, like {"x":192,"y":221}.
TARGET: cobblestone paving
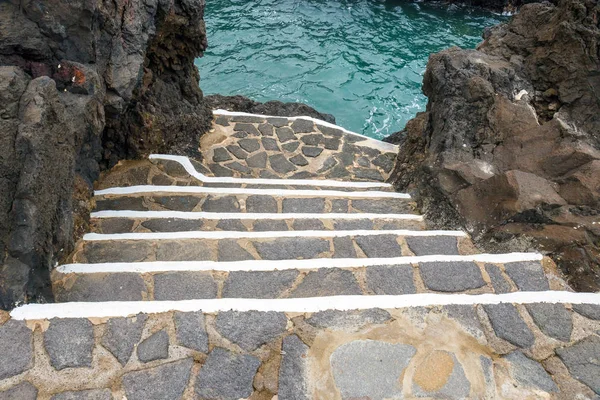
{"x":487,"y":350}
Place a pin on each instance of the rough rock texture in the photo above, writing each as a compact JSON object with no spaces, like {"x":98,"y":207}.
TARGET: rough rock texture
{"x":510,"y":143}
{"x":495,"y":5}
{"x":276,"y":108}
{"x":84,"y":84}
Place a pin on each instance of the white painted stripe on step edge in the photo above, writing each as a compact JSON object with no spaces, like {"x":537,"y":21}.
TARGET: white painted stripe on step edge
{"x":239,"y":191}
{"x":247,"y":216}
{"x":278,"y":265}
{"x":302,"y":305}
{"x":95,"y":237}
{"x":190,"y":169}
{"x":375,"y":142}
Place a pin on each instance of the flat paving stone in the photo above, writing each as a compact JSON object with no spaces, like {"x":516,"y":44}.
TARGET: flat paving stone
{"x":226,"y":375}
{"x":331,"y":143}
{"x":221,"y":204}
{"x":308,"y":225}
{"x":116,"y":251}
{"x":466,"y":316}
{"x":329,"y":163}
{"x":303,"y":205}
{"x":337,"y":172}
{"x":121,"y":203}
{"x":247,"y":127}
{"x":261,"y":204}
{"x":285,"y":134}
{"x":173,"y":225}
{"x":291,"y":147}
{"x":440,"y":375}
{"x":391,"y":280}
{"x":237,"y":152}
{"x":280,"y":164}
{"x":250,"y":145}
{"x":184,"y":285}
{"x":169,"y":250}
{"x":509,"y":325}
{"x":311,"y":151}
{"x":348,"y":320}
{"x":328,"y":131}
{"x":121,"y":336}
{"x":22,"y":391}
{"x":231,"y":225}
{"x":299,"y":160}
{"x":582,"y":362}
{"x":116,"y":225}
{"x":278,"y":121}
{"x":220,"y":171}
{"x":258,"y":160}
{"x":499,"y":282}
{"x":69,"y":342}
{"x":16,"y":348}
{"x":431,"y":245}
{"x":363,"y":162}
{"x":352,"y":225}
{"x":343,"y":247}
{"x":346,"y":159}
{"x":527,"y":275}
{"x":177,"y":203}
{"x":251,"y":329}
{"x":382,"y":206}
{"x":591,"y":311}
{"x":293,"y":372}
{"x":530,"y":373}
{"x":190,"y":330}
{"x":455,"y":276}
{"x":236,"y":166}
{"x":327,"y":282}
{"x":269,"y":144}
{"x":92,"y":394}
{"x":268,"y":225}
{"x":303,"y":126}
{"x":291,"y":248}
{"x":313,"y":139}
{"x":368,"y":174}
{"x":380,"y":246}
{"x":266,"y":129}
{"x":385,"y":162}
{"x":247,"y":118}
{"x":222,"y":120}
{"x":155,"y":347}
{"x":103,"y":287}
{"x":369,"y":369}
{"x":258,"y":285}
{"x":165,"y":382}
{"x":552,"y":319}
{"x":220,"y":154}
{"x":339,"y":206}
{"x":230,"y":250}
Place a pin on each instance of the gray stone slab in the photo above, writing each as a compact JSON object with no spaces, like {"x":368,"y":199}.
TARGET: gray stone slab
{"x":220,"y":154}
{"x":155,"y":347}
{"x":190,"y":330}
{"x":303,"y":205}
{"x":552,"y":319}
{"x":116,"y":251}
{"x":368,"y":174}
{"x":177,"y":203}
{"x":329,"y":163}
{"x":466,"y":315}
{"x":226,"y":375}
{"x":339,"y":206}
{"x":261,"y":204}
{"x":221,"y":204}
{"x":363,"y":162}
{"x":269,"y":144}
{"x":251,"y":329}
{"x":591,"y":311}
{"x":231,"y":225}
{"x":69,"y":342}
{"x":327,"y":282}
{"x":582,"y":361}
{"x":121,"y":203}
{"x":291,"y":248}
{"x":266,"y":174}
{"x":165,"y":382}
{"x":328,"y":131}
{"x":278,"y":121}
{"x":454,"y":276}
{"x":121,"y":336}
{"x":499,"y":282}
{"x":379,"y":246}
{"x":16,"y":348}
{"x":250,"y":145}
{"x":345,"y":159}
{"x":353,"y":224}
{"x":266,"y":129}
{"x":172,"y":224}
{"x":258,"y":285}
{"x":183,"y":250}
{"x":343,"y":247}
{"x":527,"y":275}
{"x":348,"y":320}
{"x":431,"y":245}
{"x":258,"y":160}
{"x":457,"y":385}
{"x":293,"y":372}
{"x":184,"y":285}
{"x":92,"y":394}
{"x":222,"y":120}
{"x":219,"y":170}
{"x":299,"y":160}
{"x":530,"y":373}
{"x":313,"y":139}
{"x":236,"y":166}
{"x":311,"y":151}
{"x":230,"y":250}
{"x":369,"y":369}
{"x":385,"y":161}
{"x":237,"y":152}
{"x":268,"y":225}
{"x":280,"y":164}
{"x":381,"y":206}
{"x":116,"y":225}
{"x":22,"y":391}
{"x":247,"y":118}
{"x":391,"y":279}
{"x":285,"y":134}
{"x":338,"y":172}
{"x":103,"y":287}
{"x":248,"y":127}
{"x":308,"y":225}
{"x":303,"y":126}
{"x":331,"y":143}
{"x":509,"y":325}
{"x":291,"y":147}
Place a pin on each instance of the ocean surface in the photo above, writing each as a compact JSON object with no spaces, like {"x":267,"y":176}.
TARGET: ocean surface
{"x":362,"y":61}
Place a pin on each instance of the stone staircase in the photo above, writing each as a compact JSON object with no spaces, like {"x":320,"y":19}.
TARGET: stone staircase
{"x":283,"y":267}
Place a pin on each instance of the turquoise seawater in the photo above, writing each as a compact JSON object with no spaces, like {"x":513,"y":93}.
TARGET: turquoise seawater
{"x":362,"y":61}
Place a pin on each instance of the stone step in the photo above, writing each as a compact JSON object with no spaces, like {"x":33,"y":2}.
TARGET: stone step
{"x":516,"y":345}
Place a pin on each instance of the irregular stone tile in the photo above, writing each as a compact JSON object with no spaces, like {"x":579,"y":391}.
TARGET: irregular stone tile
{"x":381,"y":206}
{"x":348,"y":320}
{"x":353,"y":224}
{"x":581,"y":360}
{"x":258,"y":160}
{"x":248,"y":119}
{"x":291,"y":248}
{"x":177,"y":203}
{"x":299,"y":160}
{"x":311,"y":151}
{"x":337,"y":172}
{"x":250,"y":145}
{"x":270,"y":225}
{"x":190,"y":330}
{"x":237,"y":152}
{"x":22,"y":391}
{"x":269,"y":144}
{"x":527,"y":275}
{"x":308,"y":225}
{"x":236,"y":166}
{"x":240,"y":135}
{"x":393,"y":279}
{"x":261,"y":204}
{"x":327,"y":282}
{"x":466,"y":315}
{"x":221,"y":204}
{"x":487,"y":367}
{"x":246,"y":127}
{"x":184,"y":285}
{"x":499,"y":283}
{"x":258,"y":285}
{"x":303,"y":126}
{"x":285,"y":134}
{"x":226,"y":375}
{"x":353,"y":138}
{"x":346,"y":159}
{"x":339,"y":206}
{"x":121,"y":203}
{"x":155,"y":347}
{"x":369,"y":151}
{"x":327,"y":164}
{"x":291,"y":146}
{"x":440,"y":375}
{"x":530,"y":373}
{"x":220,"y":171}
{"x":591,"y":311}
{"x":328,"y":131}
{"x":230,"y":250}
{"x":16,"y":348}
{"x":303,"y":205}
{"x":69,"y":342}
{"x":385,"y":161}
{"x":116,"y":225}
{"x":379,"y":246}
{"x":280,"y":164}
{"x":351,"y":149}
{"x":552,"y":319}
{"x":116,"y":251}
{"x":93,"y":394}
{"x":277,"y":121}
{"x":430,"y":245}
{"x":220,"y":155}
{"x":163,"y":180}
{"x":251,"y":329}
{"x":331,"y":143}
{"x":363,"y":161}
{"x":172,"y":225}
{"x":313,"y":139}
{"x":199,"y":167}
{"x":455,"y":276}
{"x":302,"y":175}
{"x":222,"y":120}
{"x":370,"y":369}
{"x":508,"y":324}
{"x":266,"y":174}
{"x":343,"y":247}
{"x":266,"y":129}
{"x":165,"y":382}
{"x":293,"y":372}
{"x":103,"y":287}
{"x":122,"y":334}
{"x":368,"y":174}
{"x":231,"y":225}
{"x":188,"y":250}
